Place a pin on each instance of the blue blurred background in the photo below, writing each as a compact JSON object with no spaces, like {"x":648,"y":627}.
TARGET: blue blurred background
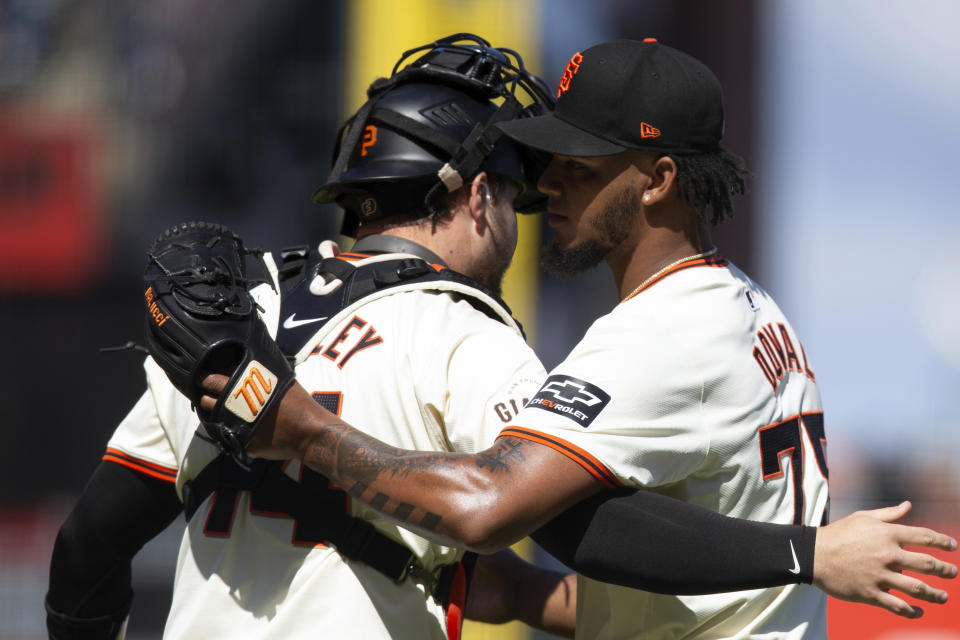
{"x":120,"y":118}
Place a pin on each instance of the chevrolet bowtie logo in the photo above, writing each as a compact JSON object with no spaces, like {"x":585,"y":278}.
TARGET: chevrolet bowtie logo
{"x":568,"y":391}
{"x":571,"y":398}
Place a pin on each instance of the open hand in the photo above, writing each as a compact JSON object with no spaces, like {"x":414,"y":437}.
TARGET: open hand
{"x":861,"y":558}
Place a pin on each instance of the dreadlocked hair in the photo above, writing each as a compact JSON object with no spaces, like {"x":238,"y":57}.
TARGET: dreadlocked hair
{"x":710,"y":180}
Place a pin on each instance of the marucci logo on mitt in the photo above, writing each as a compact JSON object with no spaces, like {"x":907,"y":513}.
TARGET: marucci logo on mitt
{"x":153,"y":309}
{"x":201,"y":318}
{"x":255,"y":386}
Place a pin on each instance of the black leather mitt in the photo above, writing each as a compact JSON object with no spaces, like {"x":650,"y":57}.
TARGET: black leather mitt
{"x":202,"y":318}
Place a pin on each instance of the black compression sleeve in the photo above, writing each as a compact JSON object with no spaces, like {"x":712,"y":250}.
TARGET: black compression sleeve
{"x":117,"y":513}
{"x":647,"y":541}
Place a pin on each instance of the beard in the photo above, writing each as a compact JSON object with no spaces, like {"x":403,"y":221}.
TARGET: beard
{"x":490,"y":273}
{"x":566,"y":263}
{"x":612,"y":224}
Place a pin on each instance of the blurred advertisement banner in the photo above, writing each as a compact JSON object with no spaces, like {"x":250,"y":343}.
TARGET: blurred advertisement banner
{"x":51,"y":232}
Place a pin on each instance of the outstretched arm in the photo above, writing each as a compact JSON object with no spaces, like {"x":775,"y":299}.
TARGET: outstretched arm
{"x":119,"y":511}
{"x":491,"y":499}
{"x":483,"y":502}
{"x":861,"y":558}
{"x":684,"y":549}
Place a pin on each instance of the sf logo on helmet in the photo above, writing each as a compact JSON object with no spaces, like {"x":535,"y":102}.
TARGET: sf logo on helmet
{"x":368,"y":207}
{"x":369,"y":138}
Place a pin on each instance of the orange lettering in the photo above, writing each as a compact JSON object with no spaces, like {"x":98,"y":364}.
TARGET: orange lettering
{"x":765,"y":367}
{"x":793,"y":362}
{"x":158,"y":316}
{"x":331,"y":351}
{"x":571,"y":70}
{"x":775,"y":344}
{"x":774,"y":362}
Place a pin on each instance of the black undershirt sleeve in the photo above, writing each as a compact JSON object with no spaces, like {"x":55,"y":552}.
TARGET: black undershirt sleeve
{"x":118,"y":512}
{"x":647,"y":541}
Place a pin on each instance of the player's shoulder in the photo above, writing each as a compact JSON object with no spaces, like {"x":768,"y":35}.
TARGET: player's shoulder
{"x":440,"y":310}
{"x":693,"y":305}
{"x":757,"y":300}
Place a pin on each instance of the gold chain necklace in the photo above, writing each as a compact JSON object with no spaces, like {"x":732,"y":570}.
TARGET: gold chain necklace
{"x":705,"y":254}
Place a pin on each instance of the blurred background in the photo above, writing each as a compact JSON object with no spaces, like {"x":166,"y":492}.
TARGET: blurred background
{"x":121,"y":118}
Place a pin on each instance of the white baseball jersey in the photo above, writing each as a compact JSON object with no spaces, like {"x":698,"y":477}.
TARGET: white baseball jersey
{"x":420,"y":369}
{"x":697,"y":387}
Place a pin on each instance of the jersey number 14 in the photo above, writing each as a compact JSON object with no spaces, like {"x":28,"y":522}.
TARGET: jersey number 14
{"x":271,"y":502}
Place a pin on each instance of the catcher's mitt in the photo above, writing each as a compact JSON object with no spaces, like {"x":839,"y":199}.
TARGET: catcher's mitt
{"x":201,"y":317}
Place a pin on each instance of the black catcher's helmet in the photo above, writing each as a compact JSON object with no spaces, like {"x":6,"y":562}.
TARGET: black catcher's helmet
{"x":429,"y":127}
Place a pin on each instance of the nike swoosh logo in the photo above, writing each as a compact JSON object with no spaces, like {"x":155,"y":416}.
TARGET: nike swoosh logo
{"x":796,"y":564}
{"x":291,"y":323}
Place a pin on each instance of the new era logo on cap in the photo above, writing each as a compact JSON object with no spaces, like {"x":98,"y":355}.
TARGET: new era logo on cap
{"x":628,"y":94}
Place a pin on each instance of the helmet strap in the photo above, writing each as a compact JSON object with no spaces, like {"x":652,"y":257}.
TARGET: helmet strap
{"x":468,"y":158}
{"x":353,"y":137}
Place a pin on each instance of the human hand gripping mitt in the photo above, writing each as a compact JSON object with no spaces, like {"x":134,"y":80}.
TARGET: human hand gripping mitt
{"x":201,"y":318}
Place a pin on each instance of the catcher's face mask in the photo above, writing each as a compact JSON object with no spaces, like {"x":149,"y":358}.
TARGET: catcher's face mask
{"x":430,"y":127}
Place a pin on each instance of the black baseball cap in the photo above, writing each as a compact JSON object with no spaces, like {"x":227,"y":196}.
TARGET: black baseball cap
{"x":628,"y":94}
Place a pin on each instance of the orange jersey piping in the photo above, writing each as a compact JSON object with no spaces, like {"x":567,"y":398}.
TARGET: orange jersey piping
{"x":149,"y":468}
{"x":715,"y":261}
{"x":593,"y":466}
{"x":353,"y":257}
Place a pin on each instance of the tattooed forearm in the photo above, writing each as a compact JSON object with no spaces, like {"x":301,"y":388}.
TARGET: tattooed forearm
{"x":343,"y":453}
{"x":498,"y":459}
{"x":430,"y":521}
{"x":435,"y":494}
{"x":356,"y":461}
{"x":468,"y":500}
{"x":404,"y":511}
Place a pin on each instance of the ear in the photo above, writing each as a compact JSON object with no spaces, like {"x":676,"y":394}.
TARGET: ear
{"x":663,"y":180}
{"x":478,"y":201}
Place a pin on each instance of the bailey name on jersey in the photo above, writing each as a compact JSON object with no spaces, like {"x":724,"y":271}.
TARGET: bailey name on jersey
{"x":358,"y":342}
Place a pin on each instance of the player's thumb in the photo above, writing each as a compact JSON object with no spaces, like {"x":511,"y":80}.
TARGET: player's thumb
{"x":891,"y":514}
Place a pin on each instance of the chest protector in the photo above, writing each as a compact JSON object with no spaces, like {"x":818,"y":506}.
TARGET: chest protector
{"x":315,"y":287}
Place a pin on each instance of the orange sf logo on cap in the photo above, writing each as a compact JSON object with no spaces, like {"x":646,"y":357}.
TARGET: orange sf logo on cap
{"x":571,"y":70}
{"x":369,"y":138}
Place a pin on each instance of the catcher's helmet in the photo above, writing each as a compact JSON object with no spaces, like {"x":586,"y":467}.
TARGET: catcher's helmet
{"x":428,"y":128}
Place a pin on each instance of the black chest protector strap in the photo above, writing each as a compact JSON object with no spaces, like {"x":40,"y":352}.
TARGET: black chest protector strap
{"x":302,"y":314}
{"x":353,"y":538}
